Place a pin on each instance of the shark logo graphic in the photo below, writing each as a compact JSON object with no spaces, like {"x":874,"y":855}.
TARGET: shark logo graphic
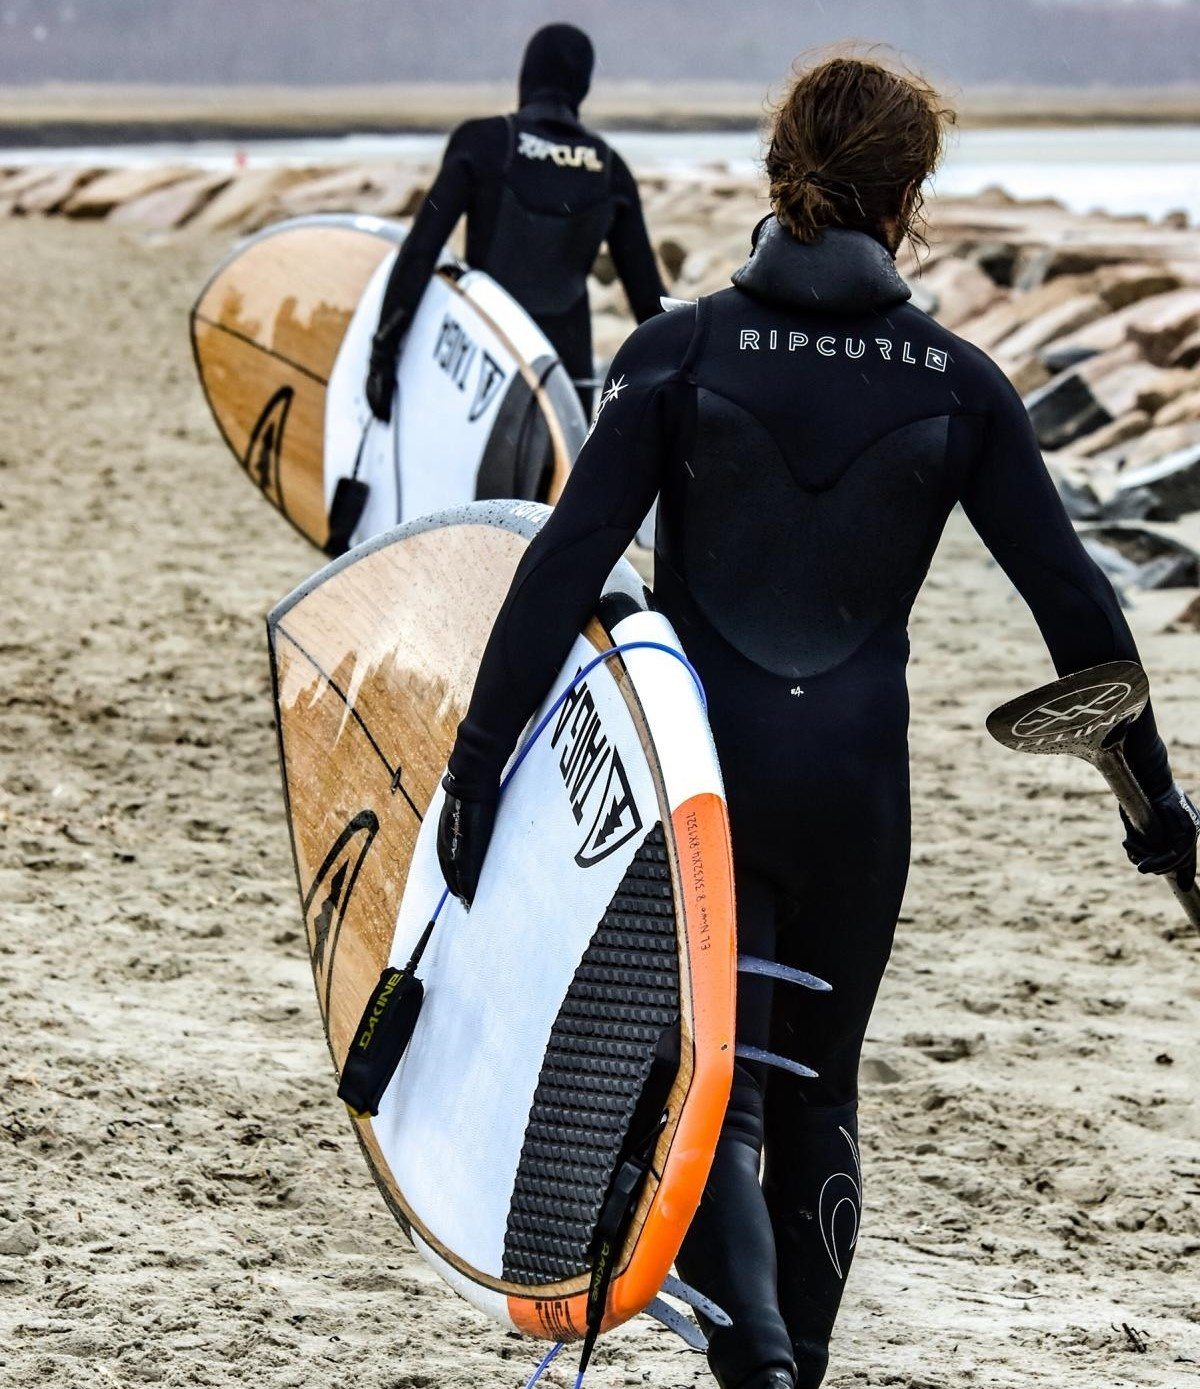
{"x":265,"y":449}
{"x":1082,"y":711}
{"x":838,"y":1210}
{"x":491,"y":378}
{"x":594,"y":777}
{"x":617,"y":818}
{"x":329,"y":894}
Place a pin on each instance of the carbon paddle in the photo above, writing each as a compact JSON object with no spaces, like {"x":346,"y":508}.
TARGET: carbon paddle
{"x":1088,"y":715}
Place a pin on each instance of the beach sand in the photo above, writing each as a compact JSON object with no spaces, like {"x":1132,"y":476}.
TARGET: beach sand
{"x":182,"y":1201}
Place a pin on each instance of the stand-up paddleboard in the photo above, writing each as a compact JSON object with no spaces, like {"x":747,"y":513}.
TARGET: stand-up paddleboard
{"x":583,"y":1010}
{"x":282,"y":335}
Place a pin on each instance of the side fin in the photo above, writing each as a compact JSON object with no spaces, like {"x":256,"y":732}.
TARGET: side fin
{"x":687,"y":1331}
{"x":752,"y":964}
{"x":695,"y":1299}
{"x":772,"y":1058}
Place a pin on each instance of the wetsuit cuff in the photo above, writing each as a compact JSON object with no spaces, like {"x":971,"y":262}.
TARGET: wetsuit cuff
{"x":1147,"y":756}
{"x":475,"y":765}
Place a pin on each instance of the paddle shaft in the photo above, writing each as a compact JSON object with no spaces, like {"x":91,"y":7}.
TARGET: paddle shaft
{"x":1125,"y":786}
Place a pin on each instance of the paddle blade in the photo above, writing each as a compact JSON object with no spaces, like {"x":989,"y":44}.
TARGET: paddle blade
{"x":380,"y":1040}
{"x":1076,"y":714}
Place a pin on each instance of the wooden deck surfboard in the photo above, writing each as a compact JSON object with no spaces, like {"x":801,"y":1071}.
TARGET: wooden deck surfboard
{"x":281,"y":337}
{"x":611,"y":844}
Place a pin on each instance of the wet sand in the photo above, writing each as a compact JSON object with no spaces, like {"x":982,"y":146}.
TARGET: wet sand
{"x":181,"y":1200}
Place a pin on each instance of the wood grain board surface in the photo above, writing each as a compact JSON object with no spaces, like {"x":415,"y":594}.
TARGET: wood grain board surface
{"x":266,"y":332}
{"x":370,"y":693}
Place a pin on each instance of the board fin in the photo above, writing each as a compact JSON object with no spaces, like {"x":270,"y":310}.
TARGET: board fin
{"x":770,"y":969}
{"x":687,"y":1331}
{"x":759,"y":1056}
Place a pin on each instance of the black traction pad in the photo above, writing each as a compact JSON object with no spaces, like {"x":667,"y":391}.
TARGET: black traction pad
{"x":623,"y":996}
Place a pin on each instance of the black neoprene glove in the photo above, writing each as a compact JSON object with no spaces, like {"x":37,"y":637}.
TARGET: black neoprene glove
{"x":1169,"y":845}
{"x":464,"y":833}
{"x":381,"y":376}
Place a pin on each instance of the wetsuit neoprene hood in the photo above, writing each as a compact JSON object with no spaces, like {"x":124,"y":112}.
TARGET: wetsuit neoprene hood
{"x":842,"y":271}
{"x":557,"y":66}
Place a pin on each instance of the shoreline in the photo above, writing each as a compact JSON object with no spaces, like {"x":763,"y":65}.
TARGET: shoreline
{"x":55,"y":115}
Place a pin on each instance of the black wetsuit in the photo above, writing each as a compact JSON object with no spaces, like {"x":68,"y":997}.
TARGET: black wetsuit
{"x":541,"y":194}
{"x":809,"y":432}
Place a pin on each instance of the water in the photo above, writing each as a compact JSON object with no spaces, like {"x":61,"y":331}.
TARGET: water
{"x":1123,"y":169}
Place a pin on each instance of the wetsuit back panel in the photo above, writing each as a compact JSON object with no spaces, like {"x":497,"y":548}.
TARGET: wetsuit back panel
{"x":529,"y":242}
{"x":794,"y":575}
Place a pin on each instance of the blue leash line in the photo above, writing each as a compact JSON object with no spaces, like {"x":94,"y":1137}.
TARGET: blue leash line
{"x":547,"y":1360}
{"x":544,"y":721}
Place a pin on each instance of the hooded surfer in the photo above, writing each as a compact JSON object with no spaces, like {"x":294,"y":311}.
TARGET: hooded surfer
{"x":809,"y":432}
{"x":541,"y":194}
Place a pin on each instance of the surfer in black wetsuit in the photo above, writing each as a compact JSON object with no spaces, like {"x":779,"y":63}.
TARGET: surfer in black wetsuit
{"x":541,"y":194}
{"x":808,"y":431}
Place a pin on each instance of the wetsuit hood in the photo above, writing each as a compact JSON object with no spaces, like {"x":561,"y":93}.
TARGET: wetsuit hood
{"x":557,"y":66}
{"x":841,"y":272}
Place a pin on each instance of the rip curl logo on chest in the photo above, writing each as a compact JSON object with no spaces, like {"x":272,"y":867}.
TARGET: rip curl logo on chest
{"x":565,"y":156}
{"x":831,"y":345}
{"x":594,"y":776}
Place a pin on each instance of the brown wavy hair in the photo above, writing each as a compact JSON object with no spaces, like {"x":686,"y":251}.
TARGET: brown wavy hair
{"x":851,"y":144}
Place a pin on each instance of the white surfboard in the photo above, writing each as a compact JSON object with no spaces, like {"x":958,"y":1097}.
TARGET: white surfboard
{"x":282,"y":336}
{"x":603,"y":927}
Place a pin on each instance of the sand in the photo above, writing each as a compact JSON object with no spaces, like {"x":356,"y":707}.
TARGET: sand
{"x":181,"y":1199}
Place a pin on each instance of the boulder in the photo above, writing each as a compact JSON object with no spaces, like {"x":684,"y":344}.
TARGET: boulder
{"x":251,"y":196}
{"x":1119,"y":431}
{"x":672,"y":253}
{"x":1187,"y":354}
{"x":1083,"y":258}
{"x":48,"y":195}
{"x":1182,"y":410}
{"x":962,"y":290}
{"x":1122,"y":285}
{"x":1158,"y":337}
{"x":171,"y":206}
{"x":990,"y":328}
{"x":1142,"y":557}
{"x":605,"y":298}
{"x":1159,"y":443}
{"x":360,"y":188}
{"x":101,"y":195}
{"x":1188,"y":620}
{"x":1168,"y":385}
{"x":1051,"y":323}
{"x":1157,"y":324}
{"x":1027,"y":374}
{"x":1173,"y":484}
{"x":1087,"y":397}
{"x":922,"y":297}
{"x":998,"y":260}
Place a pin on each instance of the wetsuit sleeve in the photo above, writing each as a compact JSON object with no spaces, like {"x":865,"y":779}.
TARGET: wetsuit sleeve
{"x":629,"y":243}
{"x":560,"y":577}
{"x":444,"y":204}
{"x":1012,"y":502}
